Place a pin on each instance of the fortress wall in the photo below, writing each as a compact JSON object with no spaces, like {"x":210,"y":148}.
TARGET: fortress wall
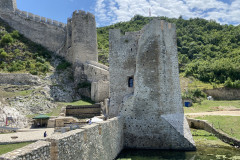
{"x":47,"y":33}
{"x":153,"y":104}
{"x":102,"y":140}
{"x":95,"y":73}
{"x":81,"y":38}
{"x":39,"y":150}
{"x":100,"y":91}
{"x":9,"y":5}
{"x":19,"y":79}
{"x":122,"y":65}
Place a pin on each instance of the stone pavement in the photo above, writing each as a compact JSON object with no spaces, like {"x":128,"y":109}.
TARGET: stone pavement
{"x":25,"y":135}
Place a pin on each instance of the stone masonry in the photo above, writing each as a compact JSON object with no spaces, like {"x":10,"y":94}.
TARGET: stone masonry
{"x":152,"y":107}
{"x":8,"y":5}
{"x":76,"y":42}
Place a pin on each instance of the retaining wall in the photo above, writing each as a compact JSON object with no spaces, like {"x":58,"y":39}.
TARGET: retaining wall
{"x":201,"y":124}
{"x":98,"y":141}
{"x":224,"y":93}
{"x":39,"y":150}
{"x":86,"y":111}
{"x":19,"y":79}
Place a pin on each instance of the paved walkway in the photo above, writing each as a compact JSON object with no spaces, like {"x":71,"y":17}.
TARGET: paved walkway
{"x":216,"y":113}
{"x":25,"y":135}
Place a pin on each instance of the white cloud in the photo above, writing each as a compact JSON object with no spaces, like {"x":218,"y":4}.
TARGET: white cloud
{"x":112,"y":11}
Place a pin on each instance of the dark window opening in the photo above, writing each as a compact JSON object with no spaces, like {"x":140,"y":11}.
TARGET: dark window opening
{"x":130,"y":82}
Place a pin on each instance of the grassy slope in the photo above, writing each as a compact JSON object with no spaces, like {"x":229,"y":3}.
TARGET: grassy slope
{"x":227,"y":124}
{"x":11,"y":147}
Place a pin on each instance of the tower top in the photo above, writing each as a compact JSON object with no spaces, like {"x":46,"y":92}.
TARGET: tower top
{"x":8,"y":5}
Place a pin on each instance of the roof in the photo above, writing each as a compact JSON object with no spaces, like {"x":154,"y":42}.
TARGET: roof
{"x":41,"y":116}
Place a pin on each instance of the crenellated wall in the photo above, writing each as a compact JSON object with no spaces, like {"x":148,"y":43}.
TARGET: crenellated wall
{"x":48,"y":34}
{"x":76,"y":41}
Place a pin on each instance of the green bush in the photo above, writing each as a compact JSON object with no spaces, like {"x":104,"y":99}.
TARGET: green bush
{"x":230,"y":84}
{"x":6,"y":39}
{"x":3,"y":54}
{"x":63,"y":65}
{"x":15,"y":34}
{"x":85,"y":84}
{"x":194,"y":94}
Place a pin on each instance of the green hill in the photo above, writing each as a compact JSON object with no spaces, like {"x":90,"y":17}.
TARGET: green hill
{"x":18,"y":54}
{"x":207,"y":50}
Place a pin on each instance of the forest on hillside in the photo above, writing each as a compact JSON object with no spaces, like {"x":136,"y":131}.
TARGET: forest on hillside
{"x":207,"y":50}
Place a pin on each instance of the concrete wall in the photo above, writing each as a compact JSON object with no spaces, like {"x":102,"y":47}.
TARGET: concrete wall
{"x":201,"y":124}
{"x":45,"y":33}
{"x":224,"y":93}
{"x":154,"y":104}
{"x":39,"y":150}
{"x":19,"y":79}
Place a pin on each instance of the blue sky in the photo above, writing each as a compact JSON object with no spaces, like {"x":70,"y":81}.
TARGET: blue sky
{"x":111,"y":11}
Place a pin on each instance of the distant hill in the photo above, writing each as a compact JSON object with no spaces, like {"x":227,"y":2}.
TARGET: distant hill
{"x":207,"y":50}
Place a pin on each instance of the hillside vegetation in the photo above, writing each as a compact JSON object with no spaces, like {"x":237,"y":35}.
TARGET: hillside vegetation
{"x":18,"y":54}
{"x":207,"y":50}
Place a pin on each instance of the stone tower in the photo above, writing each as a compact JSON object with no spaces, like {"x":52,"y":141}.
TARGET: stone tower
{"x":81,"y":43}
{"x":8,"y":5}
{"x":145,"y":88}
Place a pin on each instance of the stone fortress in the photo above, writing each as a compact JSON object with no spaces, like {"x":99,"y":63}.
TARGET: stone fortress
{"x":142,"y":82}
{"x":76,"y":41}
{"x":149,"y":97}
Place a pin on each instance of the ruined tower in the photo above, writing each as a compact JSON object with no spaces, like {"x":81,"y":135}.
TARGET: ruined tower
{"x":8,"y":5}
{"x":145,"y":88}
{"x":81,"y":43}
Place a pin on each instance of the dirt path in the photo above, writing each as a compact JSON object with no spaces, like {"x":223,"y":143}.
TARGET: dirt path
{"x":216,"y":113}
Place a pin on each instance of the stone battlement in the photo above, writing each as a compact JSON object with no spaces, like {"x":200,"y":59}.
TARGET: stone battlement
{"x":38,"y":18}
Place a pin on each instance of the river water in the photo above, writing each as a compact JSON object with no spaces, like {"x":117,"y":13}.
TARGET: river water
{"x":202,"y":153}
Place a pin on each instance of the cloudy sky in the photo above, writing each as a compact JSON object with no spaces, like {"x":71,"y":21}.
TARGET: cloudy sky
{"x":112,"y":11}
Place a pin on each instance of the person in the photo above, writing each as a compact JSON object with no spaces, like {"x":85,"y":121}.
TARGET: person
{"x":90,"y":121}
{"x":38,"y":125}
{"x":45,"y":134}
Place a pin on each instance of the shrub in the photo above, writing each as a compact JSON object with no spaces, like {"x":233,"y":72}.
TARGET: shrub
{"x":85,"y":84}
{"x":63,"y":65}
{"x":15,"y":34}
{"x":6,"y":39}
{"x":230,"y":84}
{"x":3,"y":54}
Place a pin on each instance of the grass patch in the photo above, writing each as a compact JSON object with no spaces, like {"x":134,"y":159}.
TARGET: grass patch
{"x":79,"y":103}
{"x":14,"y":94}
{"x":226,"y":124}
{"x":204,"y":138}
{"x":191,"y":83}
{"x":208,"y":106}
{"x":56,"y":111}
{"x":10,"y":147}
